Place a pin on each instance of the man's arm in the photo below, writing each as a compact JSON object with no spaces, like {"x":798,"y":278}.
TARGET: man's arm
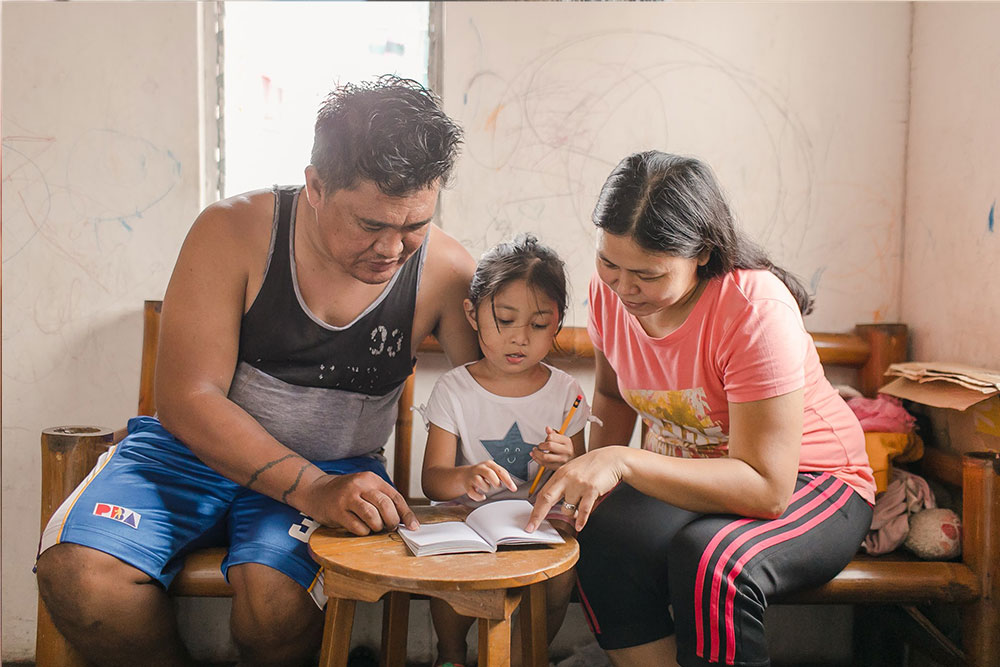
{"x":448,"y":273}
{"x":199,"y":340}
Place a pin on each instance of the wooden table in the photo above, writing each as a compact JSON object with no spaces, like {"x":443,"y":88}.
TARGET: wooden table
{"x":486,"y":586}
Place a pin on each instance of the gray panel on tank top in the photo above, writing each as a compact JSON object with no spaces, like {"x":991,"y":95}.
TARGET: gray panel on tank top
{"x":320,"y":424}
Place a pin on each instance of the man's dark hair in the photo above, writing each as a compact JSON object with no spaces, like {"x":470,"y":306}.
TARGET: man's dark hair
{"x":391,"y":131}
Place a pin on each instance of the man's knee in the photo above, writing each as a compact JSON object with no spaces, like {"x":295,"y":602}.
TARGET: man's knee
{"x":73,"y":578}
{"x":270,"y":609}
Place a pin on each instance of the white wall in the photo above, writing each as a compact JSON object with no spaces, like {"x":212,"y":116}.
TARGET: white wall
{"x":951,"y":271}
{"x":100,"y":183}
{"x":800,"y":108}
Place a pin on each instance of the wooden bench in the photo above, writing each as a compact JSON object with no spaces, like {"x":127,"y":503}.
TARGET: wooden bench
{"x":69,"y":452}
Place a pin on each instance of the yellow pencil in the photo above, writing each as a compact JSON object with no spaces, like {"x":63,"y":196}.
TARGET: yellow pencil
{"x":569,"y":415}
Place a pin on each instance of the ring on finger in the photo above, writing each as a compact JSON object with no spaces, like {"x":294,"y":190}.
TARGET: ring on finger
{"x":569,"y":506}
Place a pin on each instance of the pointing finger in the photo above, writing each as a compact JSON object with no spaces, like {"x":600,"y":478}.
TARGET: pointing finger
{"x":503,"y":477}
{"x":546,"y":499}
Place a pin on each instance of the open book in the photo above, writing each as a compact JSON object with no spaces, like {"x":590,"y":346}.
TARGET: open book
{"x":497,"y":523}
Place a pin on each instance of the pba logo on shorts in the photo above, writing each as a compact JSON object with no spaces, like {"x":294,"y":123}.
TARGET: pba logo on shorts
{"x":121,"y":514}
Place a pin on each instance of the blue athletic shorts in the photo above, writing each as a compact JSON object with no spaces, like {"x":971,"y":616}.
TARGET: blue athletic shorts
{"x":150,"y":501}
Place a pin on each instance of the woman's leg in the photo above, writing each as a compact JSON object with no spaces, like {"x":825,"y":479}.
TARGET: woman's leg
{"x":660,"y":653}
{"x":725,"y":569}
{"x":623,"y":568}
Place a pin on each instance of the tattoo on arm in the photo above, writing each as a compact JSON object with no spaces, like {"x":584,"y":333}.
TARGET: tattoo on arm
{"x":266,"y":466}
{"x":295,"y":484}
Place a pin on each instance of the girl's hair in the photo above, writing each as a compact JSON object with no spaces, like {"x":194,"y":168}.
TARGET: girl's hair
{"x":674,"y":205}
{"x":523,"y":258}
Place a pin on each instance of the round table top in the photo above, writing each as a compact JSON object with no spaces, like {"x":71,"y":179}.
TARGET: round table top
{"x":383,"y":558}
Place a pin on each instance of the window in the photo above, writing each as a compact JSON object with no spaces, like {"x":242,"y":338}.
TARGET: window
{"x":282,"y":58}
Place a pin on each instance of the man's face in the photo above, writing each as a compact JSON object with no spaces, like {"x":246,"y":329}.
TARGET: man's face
{"x":367,"y":232}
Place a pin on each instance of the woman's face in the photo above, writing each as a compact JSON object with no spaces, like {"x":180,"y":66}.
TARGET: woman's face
{"x":647,"y":283}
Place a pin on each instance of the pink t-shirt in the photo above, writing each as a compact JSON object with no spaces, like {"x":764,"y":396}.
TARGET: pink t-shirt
{"x":743,"y":341}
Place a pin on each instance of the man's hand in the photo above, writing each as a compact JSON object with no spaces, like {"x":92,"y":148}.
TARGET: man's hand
{"x":555,"y":451}
{"x":361,"y":502}
{"x":480,"y":478}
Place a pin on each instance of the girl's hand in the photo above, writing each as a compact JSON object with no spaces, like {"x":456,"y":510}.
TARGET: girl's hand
{"x":555,"y":451}
{"x":482,"y":477}
{"x":579,"y":483}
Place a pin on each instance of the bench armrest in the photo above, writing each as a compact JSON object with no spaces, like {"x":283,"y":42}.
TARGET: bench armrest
{"x":68,"y":454}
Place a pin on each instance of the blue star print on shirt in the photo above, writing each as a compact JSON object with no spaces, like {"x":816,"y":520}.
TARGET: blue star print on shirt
{"x":511,"y":452}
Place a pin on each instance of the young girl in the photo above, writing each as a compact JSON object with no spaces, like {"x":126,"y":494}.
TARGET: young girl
{"x":486,"y":418}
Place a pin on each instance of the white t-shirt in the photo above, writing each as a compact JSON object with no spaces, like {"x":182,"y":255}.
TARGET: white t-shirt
{"x":503,"y":428}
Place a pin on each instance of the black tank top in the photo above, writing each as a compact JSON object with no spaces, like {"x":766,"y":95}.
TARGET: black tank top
{"x":280,"y":337}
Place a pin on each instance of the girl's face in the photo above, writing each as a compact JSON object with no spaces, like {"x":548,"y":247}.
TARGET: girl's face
{"x":647,"y":283}
{"x":522,"y":333}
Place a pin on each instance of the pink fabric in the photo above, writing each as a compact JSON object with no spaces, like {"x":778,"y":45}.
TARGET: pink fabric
{"x":906,"y":494}
{"x":882,"y":414}
{"x":743,"y":341}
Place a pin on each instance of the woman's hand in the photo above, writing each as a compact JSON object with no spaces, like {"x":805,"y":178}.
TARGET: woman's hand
{"x":555,"y":451}
{"x":482,"y":477}
{"x":579,"y":483}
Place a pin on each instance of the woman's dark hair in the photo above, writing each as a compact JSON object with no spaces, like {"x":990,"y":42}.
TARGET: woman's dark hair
{"x":391,"y":131}
{"x":673,"y":204}
{"x":523,"y":258}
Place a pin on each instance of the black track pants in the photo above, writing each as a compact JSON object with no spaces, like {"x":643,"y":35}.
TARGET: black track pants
{"x":638,"y":555}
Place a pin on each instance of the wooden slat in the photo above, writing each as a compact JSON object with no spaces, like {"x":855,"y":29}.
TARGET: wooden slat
{"x":147,"y":370}
{"x":888,"y":344}
{"x":201,"y":575}
{"x":883,"y":580}
{"x":337,"y":632}
{"x":395,"y":625}
{"x":841,"y":349}
{"x":402,"y":440}
{"x":571,"y":343}
{"x":941,"y":465}
{"x":981,"y":551}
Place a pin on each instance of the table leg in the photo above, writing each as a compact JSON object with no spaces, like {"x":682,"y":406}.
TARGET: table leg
{"x":534,"y":634}
{"x":395,"y":619}
{"x":494,"y":642}
{"x":337,"y":633}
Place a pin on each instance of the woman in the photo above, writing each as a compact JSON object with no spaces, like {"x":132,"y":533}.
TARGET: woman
{"x":752,"y":480}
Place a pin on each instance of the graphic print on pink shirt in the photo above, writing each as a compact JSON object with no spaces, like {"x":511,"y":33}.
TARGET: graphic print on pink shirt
{"x":678,"y":423}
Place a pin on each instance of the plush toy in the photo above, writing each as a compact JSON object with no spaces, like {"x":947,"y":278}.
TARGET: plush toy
{"x":935,"y":534}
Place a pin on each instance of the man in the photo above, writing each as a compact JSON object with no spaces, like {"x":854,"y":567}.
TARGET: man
{"x":289,"y":324}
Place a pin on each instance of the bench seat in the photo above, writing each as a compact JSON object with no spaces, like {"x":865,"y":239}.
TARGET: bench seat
{"x":892,"y":578}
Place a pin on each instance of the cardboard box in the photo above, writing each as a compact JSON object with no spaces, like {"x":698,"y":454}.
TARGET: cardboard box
{"x":964,"y":401}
